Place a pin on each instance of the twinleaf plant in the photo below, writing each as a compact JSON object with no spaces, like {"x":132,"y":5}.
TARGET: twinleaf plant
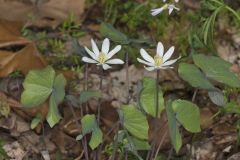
{"x":205,"y":69}
{"x":89,"y":125}
{"x":40,"y":86}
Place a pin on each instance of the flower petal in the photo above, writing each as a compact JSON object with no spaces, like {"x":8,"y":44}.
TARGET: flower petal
{"x":170,"y":62}
{"x":160,"y":49}
{"x":144,"y":62}
{"x":149,"y":68}
{"x":168,"y":54}
{"x":114,"y":51}
{"x":157,"y":11}
{"x":176,"y":1}
{"x":170,"y":9}
{"x":115,"y":61}
{"x":88,"y":60}
{"x":164,"y":67}
{"x":105,"y":45}
{"x":146,"y":56}
{"x":91,"y":53}
{"x":106,"y":66}
{"x":95,"y":48}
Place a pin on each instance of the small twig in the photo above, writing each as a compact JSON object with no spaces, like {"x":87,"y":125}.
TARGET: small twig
{"x":194,"y":95}
{"x":126,"y":154}
{"x":110,"y":131}
{"x":170,"y":153}
{"x":43,"y":135}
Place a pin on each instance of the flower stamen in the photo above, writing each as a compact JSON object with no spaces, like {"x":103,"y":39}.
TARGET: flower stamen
{"x":102,"y":58}
{"x":158,"y":60}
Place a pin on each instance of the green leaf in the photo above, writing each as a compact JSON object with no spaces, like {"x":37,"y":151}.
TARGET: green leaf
{"x":37,"y":87}
{"x":217,"y":69}
{"x":187,"y":114}
{"x":194,"y":76}
{"x":36,"y":121}
{"x":175,"y":135}
{"x":141,"y":144}
{"x":87,"y":95}
{"x":107,"y":30}
{"x":59,"y":88}
{"x":96,"y":138}
{"x":217,"y":97}
{"x":148,"y":97}
{"x":53,"y":116}
{"x":135,"y":122}
{"x":89,"y":123}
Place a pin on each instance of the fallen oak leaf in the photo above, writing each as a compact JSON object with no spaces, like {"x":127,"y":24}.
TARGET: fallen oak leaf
{"x":10,"y":34}
{"x":23,"y":60}
{"x":43,"y":13}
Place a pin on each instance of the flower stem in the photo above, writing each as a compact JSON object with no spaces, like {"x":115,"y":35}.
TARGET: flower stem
{"x":157,"y":99}
{"x":85,"y":87}
{"x":127,"y":76}
{"x":98,"y":150}
{"x":115,"y":145}
{"x":100,"y":88}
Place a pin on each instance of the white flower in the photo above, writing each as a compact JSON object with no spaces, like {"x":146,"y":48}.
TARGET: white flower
{"x":160,"y":60}
{"x":175,"y":1}
{"x":170,"y":8}
{"x":102,"y":57}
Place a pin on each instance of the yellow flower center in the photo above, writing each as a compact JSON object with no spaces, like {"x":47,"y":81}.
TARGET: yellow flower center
{"x":102,"y":58}
{"x":158,"y":60}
